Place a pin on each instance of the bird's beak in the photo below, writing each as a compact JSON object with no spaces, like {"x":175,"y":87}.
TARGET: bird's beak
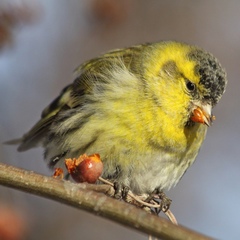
{"x":202,"y":113}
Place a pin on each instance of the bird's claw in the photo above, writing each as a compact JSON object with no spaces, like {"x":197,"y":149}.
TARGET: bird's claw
{"x":121,"y":191}
{"x":165,"y":201}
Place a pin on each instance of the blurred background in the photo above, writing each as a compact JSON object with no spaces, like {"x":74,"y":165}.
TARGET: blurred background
{"x":42,"y":42}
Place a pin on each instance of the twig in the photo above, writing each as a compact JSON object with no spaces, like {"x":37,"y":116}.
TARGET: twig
{"x":168,"y":212}
{"x":85,"y":197}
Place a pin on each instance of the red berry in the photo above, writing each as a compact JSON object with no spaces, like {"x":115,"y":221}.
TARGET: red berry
{"x":85,"y":168}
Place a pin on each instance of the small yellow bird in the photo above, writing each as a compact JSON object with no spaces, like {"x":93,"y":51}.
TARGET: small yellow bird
{"x":145,"y":109}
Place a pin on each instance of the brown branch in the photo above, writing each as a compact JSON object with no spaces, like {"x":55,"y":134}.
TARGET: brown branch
{"x":90,"y":198}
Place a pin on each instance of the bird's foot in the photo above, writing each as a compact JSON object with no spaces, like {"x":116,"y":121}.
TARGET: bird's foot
{"x":121,"y":191}
{"x":165,"y":201}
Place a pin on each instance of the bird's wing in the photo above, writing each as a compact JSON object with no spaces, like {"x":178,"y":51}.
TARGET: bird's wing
{"x":73,"y":95}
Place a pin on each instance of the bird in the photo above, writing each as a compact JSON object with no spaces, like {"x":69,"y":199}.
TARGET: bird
{"x":145,"y":109}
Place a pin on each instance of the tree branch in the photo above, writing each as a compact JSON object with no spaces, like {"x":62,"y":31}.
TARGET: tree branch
{"x":90,"y":198}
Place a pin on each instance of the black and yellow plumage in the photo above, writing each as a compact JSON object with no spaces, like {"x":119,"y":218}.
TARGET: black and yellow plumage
{"x":133,"y":106}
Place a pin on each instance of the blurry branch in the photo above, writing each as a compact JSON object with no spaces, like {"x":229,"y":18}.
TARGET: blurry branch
{"x":13,"y":16}
{"x":110,"y":12}
{"x":91,"y":198}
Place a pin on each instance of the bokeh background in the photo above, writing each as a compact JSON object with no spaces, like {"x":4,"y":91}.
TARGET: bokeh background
{"x":53,"y":38}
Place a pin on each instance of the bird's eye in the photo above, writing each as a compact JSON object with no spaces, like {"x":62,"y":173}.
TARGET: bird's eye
{"x":190,"y":86}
